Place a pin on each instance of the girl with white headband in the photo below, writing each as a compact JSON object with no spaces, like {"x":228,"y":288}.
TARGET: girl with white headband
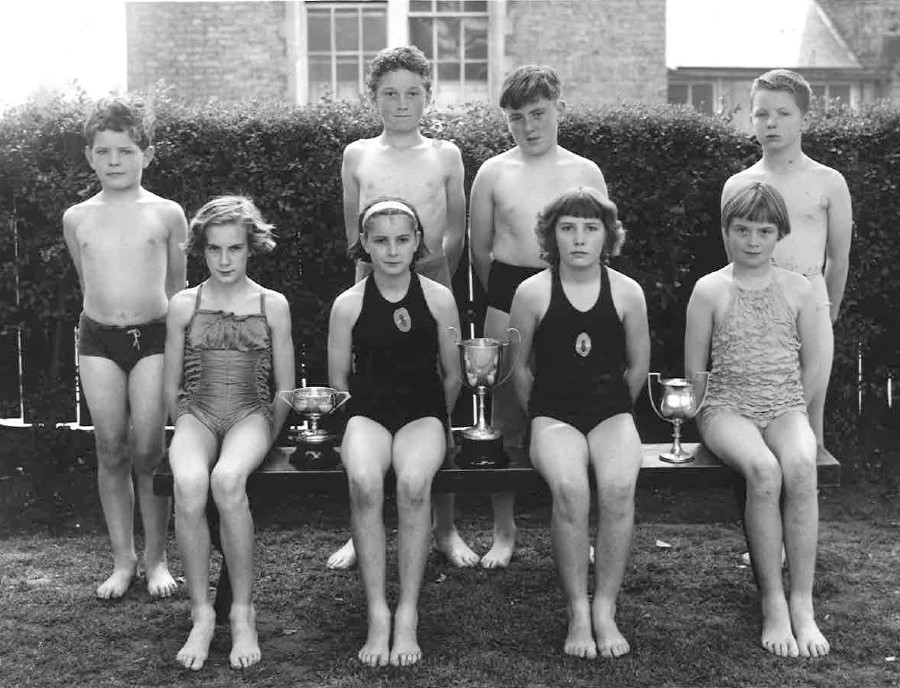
{"x":390,"y":346}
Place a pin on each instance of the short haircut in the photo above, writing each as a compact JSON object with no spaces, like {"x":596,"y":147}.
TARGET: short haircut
{"x":583,"y":202}
{"x":529,"y":83}
{"x":119,"y":113}
{"x":757,"y":202}
{"x":226,"y":210}
{"x":787,"y":81}
{"x":357,"y":252}
{"x":407,"y":57}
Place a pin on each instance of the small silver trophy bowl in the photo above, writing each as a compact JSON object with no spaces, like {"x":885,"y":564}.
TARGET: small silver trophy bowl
{"x":677,"y":404}
{"x":311,"y":403}
{"x":481,"y":360}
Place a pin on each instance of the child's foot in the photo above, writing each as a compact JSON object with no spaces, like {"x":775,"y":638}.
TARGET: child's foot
{"x":375,"y":652}
{"x":458,"y":553}
{"x":244,"y":641}
{"x":196,"y":649}
{"x":159,"y":581}
{"x":810,"y":641}
{"x":405,"y":650}
{"x":500,"y":554}
{"x":777,"y":637}
{"x":580,"y":640}
{"x":344,"y":558}
{"x":610,"y":641}
{"x":119,"y":581}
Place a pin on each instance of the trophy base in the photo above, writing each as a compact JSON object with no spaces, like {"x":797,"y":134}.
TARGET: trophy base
{"x":311,"y":457}
{"x":679,"y":456}
{"x":482,"y":453}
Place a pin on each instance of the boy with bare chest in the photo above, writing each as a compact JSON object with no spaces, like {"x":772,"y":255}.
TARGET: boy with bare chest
{"x":427,"y":174}
{"x":509,"y":191}
{"x":818,"y":203}
{"x":126,"y":246}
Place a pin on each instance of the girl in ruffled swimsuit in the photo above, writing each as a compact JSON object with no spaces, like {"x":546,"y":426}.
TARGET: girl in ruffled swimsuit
{"x":227,"y":341}
{"x":756,"y":323}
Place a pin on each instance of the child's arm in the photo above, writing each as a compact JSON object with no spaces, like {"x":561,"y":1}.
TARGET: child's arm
{"x":698,"y":329}
{"x":176,"y":265}
{"x":179,"y":313}
{"x":443,"y":307}
{"x":523,"y":316}
{"x":481,"y":223}
{"x":837,"y":247}
{"x":350,"y":193}
{"x":69,"y":226}
{"x":278,"y":313}
{"x":340,"y":342}
{"x":455,"y":231}
{"x":637,"y":337}
{"x":812,"y":354}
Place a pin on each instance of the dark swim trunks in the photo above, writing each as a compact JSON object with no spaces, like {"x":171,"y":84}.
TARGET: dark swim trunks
{"x":503,"y":280}
{"x":124,"y":346}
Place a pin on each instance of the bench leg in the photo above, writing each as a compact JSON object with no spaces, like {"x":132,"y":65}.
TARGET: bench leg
{"x":222,"y":604}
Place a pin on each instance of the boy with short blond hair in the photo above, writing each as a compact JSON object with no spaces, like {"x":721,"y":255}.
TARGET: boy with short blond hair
{"x":509,"y":191}
{"x":427,"y":173}
{"x":126,"y":246}
{"x":818,"y":202}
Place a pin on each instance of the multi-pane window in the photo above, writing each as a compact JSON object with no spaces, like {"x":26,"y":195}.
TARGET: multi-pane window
{"x":341,"y":39}
{"x":834,"y":91}
{"x":453,"y":34}
{"x":700,"y":95}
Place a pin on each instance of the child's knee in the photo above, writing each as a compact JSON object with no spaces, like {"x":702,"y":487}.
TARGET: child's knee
{"x":799,"y":471}
{"x":112,"y":451}
{"x":616,"y":497}
{"x":764,"y":478}
{"x":366,"y":489}
{"x":191,"y":492}
{"x":413,"y":491}
{"x":571,"y":497}
{"x":229,"y":487}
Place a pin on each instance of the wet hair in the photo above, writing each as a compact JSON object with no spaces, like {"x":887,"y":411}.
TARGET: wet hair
{"x":757,"y":202}
{"x":118,"y":113}
{"x":787,"y":81}
{"x":407,"y":57}
{"x":529,"y":83}
{"x":583,"y":202}
{"x":386,"y":206}
{"x":227,"y":210}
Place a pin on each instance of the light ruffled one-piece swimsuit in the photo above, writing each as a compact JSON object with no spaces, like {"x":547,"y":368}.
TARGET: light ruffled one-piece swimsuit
{"x":227,"y":367}
{"x":755,"y":355}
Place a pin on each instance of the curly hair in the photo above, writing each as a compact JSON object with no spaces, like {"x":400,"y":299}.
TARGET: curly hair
{"x":757,"y":202}
{"x":118,"y":113}
{"x":529,"y":83}
{"x":392,"y":206}
{"x":407,"y":57}
{"x":226,"y":210}
{"x":583,"y":202}
{"x":787,"y":81}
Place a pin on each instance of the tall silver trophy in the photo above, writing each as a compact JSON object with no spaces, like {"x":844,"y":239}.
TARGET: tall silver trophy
{"x":315,"y":445}
{"x":481,"y":360}
{"x":677,"y":403}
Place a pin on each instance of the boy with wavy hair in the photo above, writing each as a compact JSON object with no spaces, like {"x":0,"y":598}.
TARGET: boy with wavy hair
{"x":126,"y":246}
{"x":428,"y":173}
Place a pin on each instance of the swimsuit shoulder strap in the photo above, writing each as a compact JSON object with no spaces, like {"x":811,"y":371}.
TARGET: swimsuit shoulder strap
{"x":197,"y":300}
{"x":262,"y":301}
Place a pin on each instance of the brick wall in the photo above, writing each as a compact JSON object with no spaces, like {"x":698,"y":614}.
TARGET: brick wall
{"x":205,"y":50}
{"x":606,"y":51}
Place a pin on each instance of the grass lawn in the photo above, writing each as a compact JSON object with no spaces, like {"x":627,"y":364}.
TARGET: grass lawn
{"x":690,"y":610}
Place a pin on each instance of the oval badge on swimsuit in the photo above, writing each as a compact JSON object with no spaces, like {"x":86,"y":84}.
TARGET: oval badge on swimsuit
{"x":402,"y":319}
{"x":583,"y":344}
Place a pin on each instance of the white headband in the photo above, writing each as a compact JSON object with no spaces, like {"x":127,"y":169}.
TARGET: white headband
{"x":381,"y":206}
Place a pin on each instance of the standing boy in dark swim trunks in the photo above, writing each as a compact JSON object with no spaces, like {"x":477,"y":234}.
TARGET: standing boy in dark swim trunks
{"x":126,"y":246}
{"x":509,"y":191}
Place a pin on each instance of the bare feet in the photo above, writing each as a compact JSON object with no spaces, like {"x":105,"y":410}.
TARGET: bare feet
{"x":119,"y":581}
{"x":777,"y":637}
{"x":344,"y":558}
{"x":458,"y":553}
{"x":196,"y":649}
{"x":375,"y":652}
{"x":159,"y":581}
{"x":405,"y":650}
{"x":501,"y":552}
{"x":610,"y":641}
{"x":244,"y":641}
{"x":810,"y":641}
{"x":580,"y":640}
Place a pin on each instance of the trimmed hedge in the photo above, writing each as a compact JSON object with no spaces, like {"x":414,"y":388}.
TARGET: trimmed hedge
{"x":665,"y":167}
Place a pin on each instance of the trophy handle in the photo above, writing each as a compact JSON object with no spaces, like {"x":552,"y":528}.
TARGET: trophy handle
{"x":705,"y":374}
{"x":650,"y":377}
{"x":286,"y":398}
{"x":344,"y":397}
{"x":518,"y":351}
{"x":457,"y":337}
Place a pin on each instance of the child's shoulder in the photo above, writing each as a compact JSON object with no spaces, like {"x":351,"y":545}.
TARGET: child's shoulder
{"x":625,"y":284}
{"x":182,"y":303}
{"x":163,"y":205}
{"x":360,"y":146}
{"x":350,"y":297}
{"x":827,"y":175}
{"x":435,"y":291}
{"x":715,"y":283}
{"x":274,"y":297}
{"x":536,"y":286}
{"x":791,"y":281}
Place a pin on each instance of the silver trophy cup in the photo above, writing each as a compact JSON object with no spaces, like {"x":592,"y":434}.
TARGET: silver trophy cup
{"x":481,"y":360}
{"x":315,"y":445}
{"x":677,"y":403}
